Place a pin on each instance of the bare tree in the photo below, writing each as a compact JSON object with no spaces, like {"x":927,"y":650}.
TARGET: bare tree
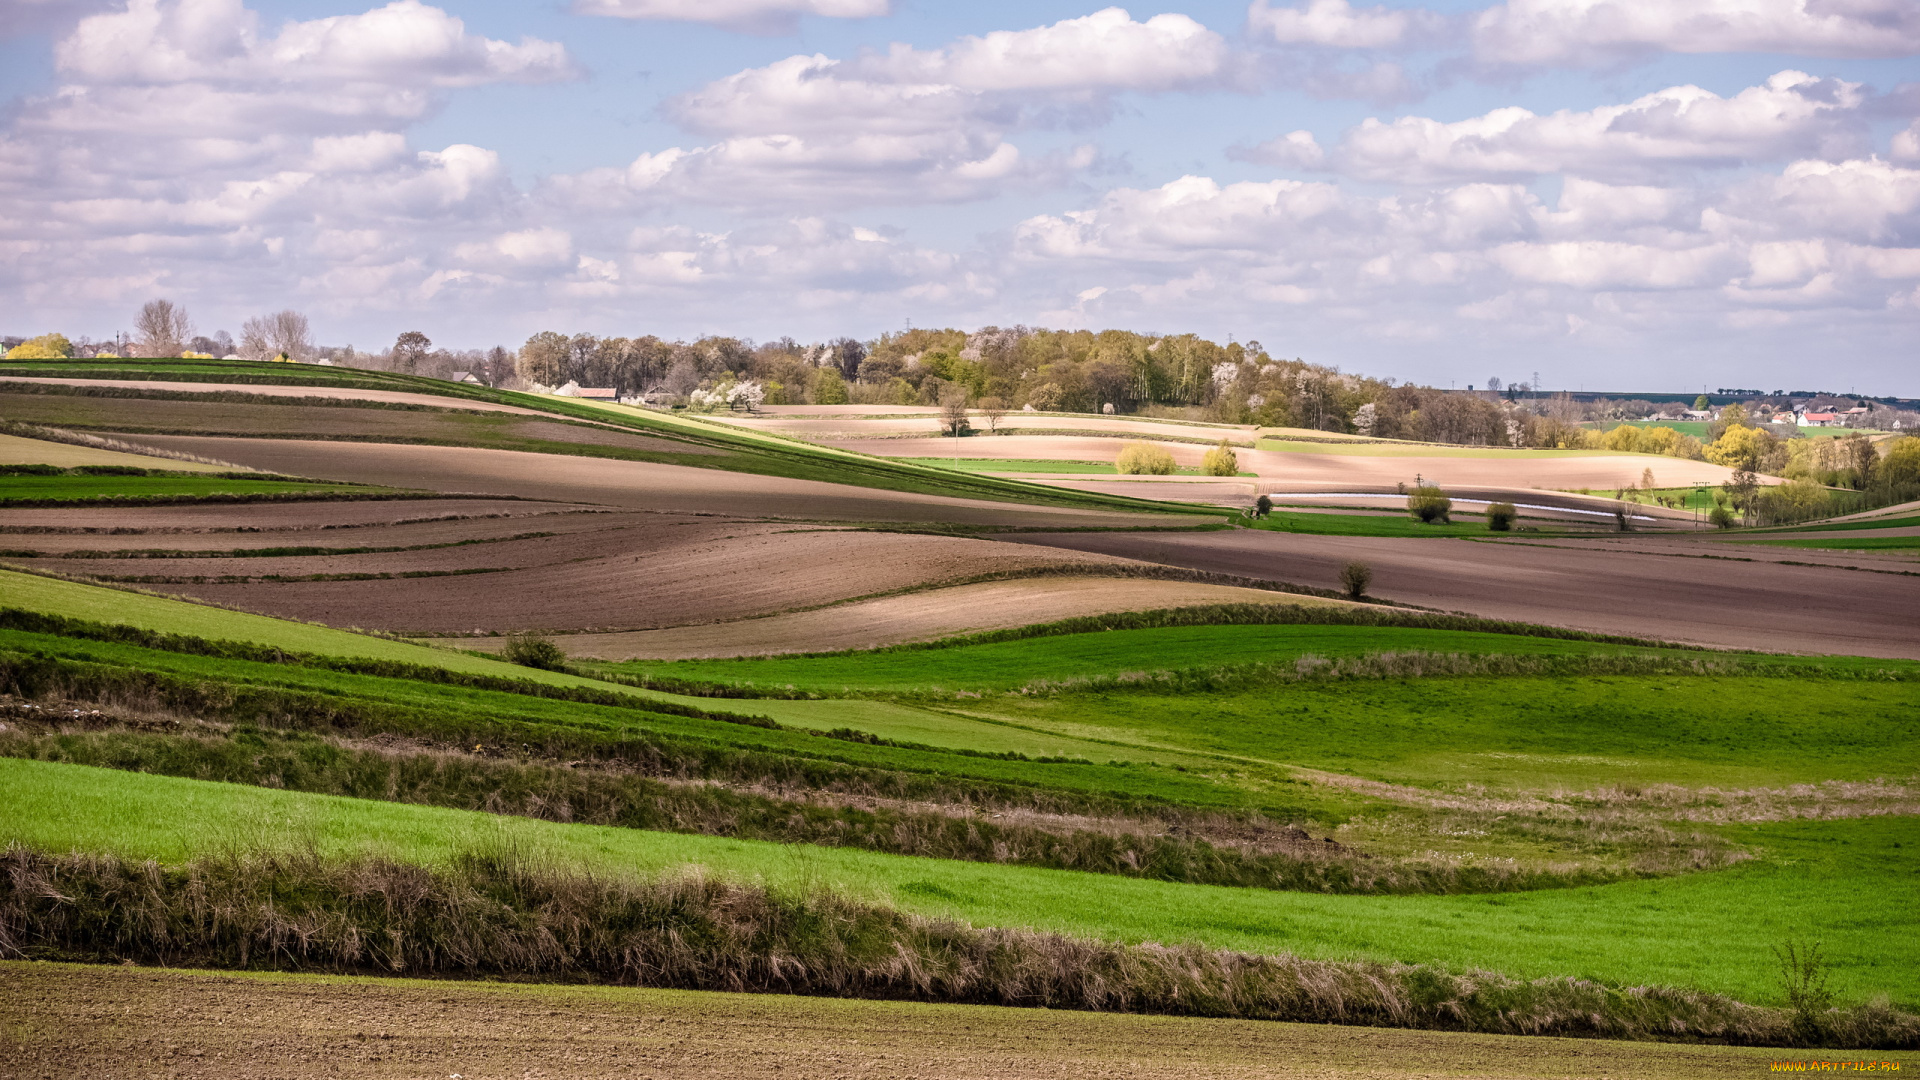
{"x":994,"y":409}
{"x":283,"y":333}
{"x":162,"y":328}
{"x":953,"y":409}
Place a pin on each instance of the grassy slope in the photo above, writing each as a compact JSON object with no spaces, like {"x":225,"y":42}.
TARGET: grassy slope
{"x":1010,"y":664}
{"x":1667,"y":931}
{"x":1846,"y":526}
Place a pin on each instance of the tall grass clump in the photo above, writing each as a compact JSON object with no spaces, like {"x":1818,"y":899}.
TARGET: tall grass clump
{"x":501,"y":914}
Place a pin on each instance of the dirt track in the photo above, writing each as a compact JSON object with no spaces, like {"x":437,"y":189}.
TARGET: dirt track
{"x":59,"y":1020}
{"x":919,"y":616}
{"x":1751,"y":605}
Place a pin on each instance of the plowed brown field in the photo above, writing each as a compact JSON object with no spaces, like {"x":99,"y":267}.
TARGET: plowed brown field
{"x":667,"y":574}
{"x":921,"y":616}
{"x":1710,"y":601}
{"x":628,"y":484}
{"x":61,"y":1020}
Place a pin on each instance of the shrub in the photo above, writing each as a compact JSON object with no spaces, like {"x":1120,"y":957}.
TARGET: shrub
{"x":534,"y":651}
{"x":44,"y":347}
{"x":1901,"y":462}
{"x":1803,"y":979}
{"x":1262,"y":506}
{"x":1355,"y":577}
{"x":1430,"y":504}
{"x":1500,"y":517}
{"x":1221,"y":461}
{"x":1144,"y":459}
{"x":828,"y":387}
{"x":1721,"y":518}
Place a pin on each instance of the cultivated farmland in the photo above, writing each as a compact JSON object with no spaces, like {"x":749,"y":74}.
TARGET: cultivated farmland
{"x":660,"y":705}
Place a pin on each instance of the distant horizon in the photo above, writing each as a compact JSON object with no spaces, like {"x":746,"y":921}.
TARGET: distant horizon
{"x":1605,"y":191}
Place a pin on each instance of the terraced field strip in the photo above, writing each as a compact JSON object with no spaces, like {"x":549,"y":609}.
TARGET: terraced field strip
{"x":1849,"y":878}
{"x":30,"y":592}
{"x":1432,"y":450}
{"x":75,"y":1020}
{"x":16,"y":450}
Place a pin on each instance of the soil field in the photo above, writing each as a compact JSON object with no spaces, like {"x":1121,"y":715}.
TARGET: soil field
{"x":920,"y":616}
{"x":445,"y":422}
{"x":666,"y":573}
{"x":631,"y":484}
{"x":1750,"y":605}
{"x":108,"y":1022}
{"x":338,"y":393}
{"x":15,"y":450}
{"x":453,"y":529}
{"x":98,"y":521}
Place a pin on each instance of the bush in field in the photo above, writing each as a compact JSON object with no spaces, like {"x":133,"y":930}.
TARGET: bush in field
{"x":1500,"y":517}
{"x":1221,"y":461}
{"x":1262,"y":506}
{"x":44,"y":347}
{"x":1355,"y":577}
{"x":1900,"y":464}
{"x":828,"y":387}
{"x":534,"y":651}
{"x":1144,"y":459}
{"x":1625,"y":437}
{"x":1430,"y":504}
{"x":1721,"y":518}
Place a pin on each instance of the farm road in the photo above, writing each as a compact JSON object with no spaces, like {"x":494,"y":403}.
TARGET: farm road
{"x":1733,"y":604}
{"x":109,"y":1022}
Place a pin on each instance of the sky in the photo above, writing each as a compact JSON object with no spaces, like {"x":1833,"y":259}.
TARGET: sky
{"x":1611,"y":194}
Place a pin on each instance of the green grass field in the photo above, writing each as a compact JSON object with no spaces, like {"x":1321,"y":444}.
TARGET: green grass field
{"x":1008,"y":665}
{"x":1695,"y":428}
{"x":1837,"y":543}
{"x":1815,"y":879}
{"x":82,"y":488}
{"x":1320,"y":524}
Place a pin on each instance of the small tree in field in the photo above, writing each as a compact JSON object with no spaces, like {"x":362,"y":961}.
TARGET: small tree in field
{"x":994,"y":409}
{"x":1430,"y":504}
{"x":1500,"y":517}
{"x":953,"y":410}
{"x":1263,"y":506}
{"x":1355,"y":577}
{"x":1144,"y":459}
{"x":1221,"y":461}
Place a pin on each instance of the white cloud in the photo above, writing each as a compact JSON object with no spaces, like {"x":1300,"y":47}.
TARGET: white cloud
{"x":1793,"y":115}
{"x":907,"y":126}
{"x":1338,"y":24}
{"x":1540,"y":32}
{"x":752,"y":16}
{"x":1103,"y":52}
